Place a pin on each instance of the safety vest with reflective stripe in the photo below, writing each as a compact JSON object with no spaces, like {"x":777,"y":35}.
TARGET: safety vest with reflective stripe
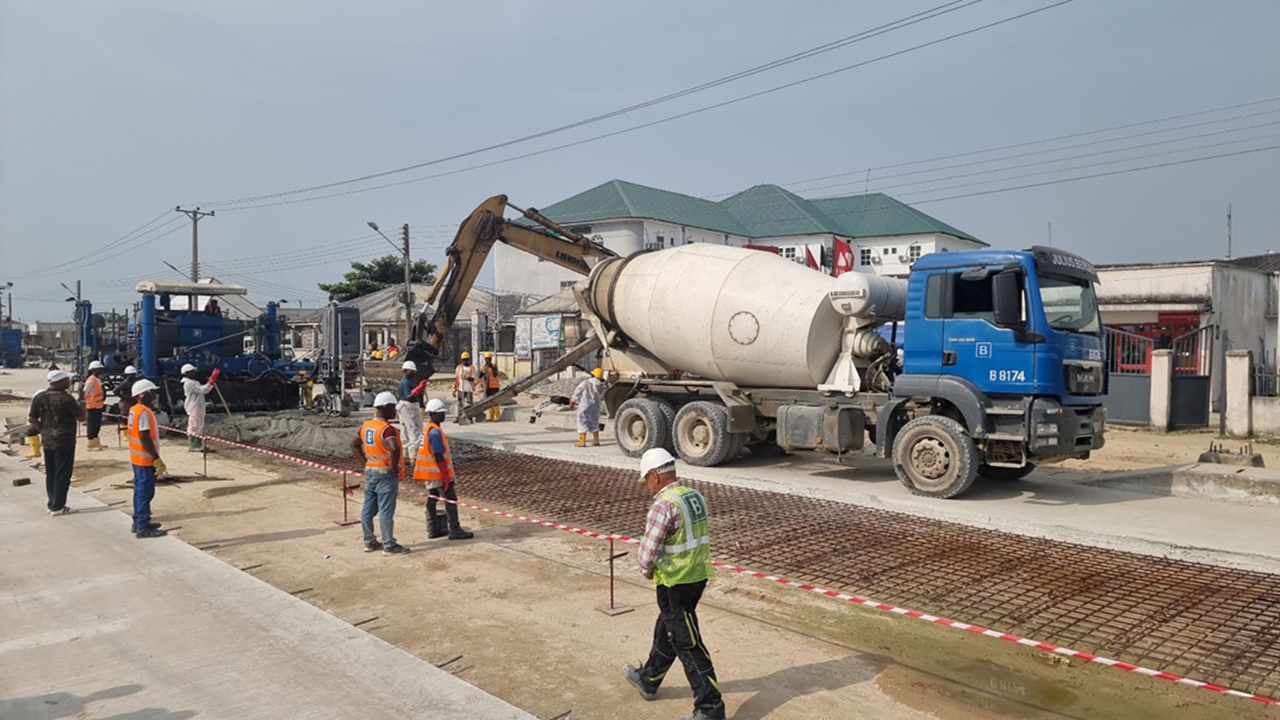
{"x":376,"y":455}
{"x":491,"y":377}
{"x":138,"y":454}
{"x":426,"y":468}
{"x":686,"y":558}
{"x":94,"y":395}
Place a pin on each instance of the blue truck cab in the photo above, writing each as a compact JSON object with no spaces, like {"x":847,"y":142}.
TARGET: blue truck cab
{"x":1004,"y":348}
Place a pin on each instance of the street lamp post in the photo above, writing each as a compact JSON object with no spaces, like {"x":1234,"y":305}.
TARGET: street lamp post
{"x":408,"y":289}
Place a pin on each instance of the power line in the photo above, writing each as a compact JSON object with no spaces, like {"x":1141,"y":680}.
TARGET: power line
{"x":92,"y":255}
{"x":659,"y":121}
{"x":811,"y":52}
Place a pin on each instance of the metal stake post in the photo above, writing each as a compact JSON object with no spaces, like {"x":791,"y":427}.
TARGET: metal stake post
{"x":345,"y":521}
{"x":613,"y":608}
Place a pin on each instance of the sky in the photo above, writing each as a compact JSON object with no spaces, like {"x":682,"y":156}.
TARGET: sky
{"x":113,"y":114}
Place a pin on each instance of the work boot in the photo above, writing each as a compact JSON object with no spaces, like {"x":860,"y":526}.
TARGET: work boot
{"x":94,"y":445}
{"x":582,"y":440}
{"x":395,"y":549}
{"x":34,"y":442}
{"x":456,"y":531}
{"x":595,"y":438}
{"x":150,"y":533}
{"x":646,"y":690}
{"x":151,"y":525}
{"x":437,"y":526}
{"x":193,"y":443}
{"x":699,"y":715}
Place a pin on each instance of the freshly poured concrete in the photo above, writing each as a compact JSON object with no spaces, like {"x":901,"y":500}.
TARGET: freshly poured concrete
{"x":95,"y":623}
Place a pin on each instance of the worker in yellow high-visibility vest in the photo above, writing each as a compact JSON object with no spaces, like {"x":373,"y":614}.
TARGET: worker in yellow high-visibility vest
{"x":676,"y":553}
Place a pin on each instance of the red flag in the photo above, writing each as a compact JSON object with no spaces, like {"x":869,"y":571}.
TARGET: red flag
{"x":809,"y":259}
{"x":844,"y":258}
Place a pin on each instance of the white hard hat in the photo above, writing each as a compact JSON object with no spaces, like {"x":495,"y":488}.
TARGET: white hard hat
{"x":436,"y":405}
{"x":384,"y":398}
{"x":188,"y":368}
{"x":655,"y":459}
{"x":130,"y":370}
{"x":143,"y":385}
{"x":408,"y":365}
{"x":56,"y":375}
{"x":95,"y":365}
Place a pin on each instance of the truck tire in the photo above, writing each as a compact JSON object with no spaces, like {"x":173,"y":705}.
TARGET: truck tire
{"x":935,"y":457}
{"x":669,"y":411}
{"x":702,"y":436}
{"x":640,"y":425}
{"x":1005,"y":474}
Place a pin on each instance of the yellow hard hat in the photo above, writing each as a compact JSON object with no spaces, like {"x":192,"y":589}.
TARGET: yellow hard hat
{"x":488,"y":354}
{"x":466,"y":356}
{"x":597,"y":373}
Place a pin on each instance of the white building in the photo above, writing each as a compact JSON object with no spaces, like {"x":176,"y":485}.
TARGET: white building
{"x":885,"y":235}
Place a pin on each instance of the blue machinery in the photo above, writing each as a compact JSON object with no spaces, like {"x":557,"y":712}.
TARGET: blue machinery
{"x":254,"y":373}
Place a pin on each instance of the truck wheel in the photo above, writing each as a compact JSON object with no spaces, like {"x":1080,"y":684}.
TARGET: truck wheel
{"x":1005,"y":473}
{"x":702,"y":434}
{"x":640,"y":425}
{"x":935,"y":457}
{"x":669,"y":412}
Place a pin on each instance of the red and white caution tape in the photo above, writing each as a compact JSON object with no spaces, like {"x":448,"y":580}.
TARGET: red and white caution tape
{"x":834,"y":594}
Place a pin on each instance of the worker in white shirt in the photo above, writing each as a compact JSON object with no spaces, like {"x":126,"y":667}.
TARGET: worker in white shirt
{"x":193,"y":403}
{"x":464,"y":383}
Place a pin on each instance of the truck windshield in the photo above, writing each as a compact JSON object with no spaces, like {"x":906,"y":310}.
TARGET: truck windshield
{"x":1069,"y":305}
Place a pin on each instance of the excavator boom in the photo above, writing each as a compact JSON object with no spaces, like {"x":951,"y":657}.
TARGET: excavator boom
{"x":476,"y":236}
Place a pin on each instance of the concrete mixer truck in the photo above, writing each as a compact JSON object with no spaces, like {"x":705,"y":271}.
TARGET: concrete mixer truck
{"x":711,"y":349}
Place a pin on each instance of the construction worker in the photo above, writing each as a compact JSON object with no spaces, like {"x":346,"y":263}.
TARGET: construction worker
{"x":409,"y":405}
{"x":492,"y":385}
{"x":308,"y":389}
{"x":124,"y":391}
{"x":378,"y":446}
{"x":95,"y":399}
{"x":144,"y":455}
{"x":676,"y":554}
{"x":464,"y":383}
{"x":586,"y":400}
{"x":434,"y":466}
{"x":193,"y":403}
{"x":54,"y":413}
{"x":33,"y":435}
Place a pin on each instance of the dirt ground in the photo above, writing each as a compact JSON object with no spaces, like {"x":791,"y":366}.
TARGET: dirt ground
{"x":513,"y":611}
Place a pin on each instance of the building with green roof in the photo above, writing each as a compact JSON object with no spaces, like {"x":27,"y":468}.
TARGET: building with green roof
{"x":884,"y":235}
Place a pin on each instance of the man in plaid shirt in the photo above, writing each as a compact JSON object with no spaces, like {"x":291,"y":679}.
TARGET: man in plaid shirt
{"x":676,"y":554}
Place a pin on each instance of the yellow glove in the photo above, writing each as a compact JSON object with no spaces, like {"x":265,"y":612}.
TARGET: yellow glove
{"x":160,"y":467}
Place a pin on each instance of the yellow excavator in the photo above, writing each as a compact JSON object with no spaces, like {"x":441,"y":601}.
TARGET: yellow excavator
{"x":476,"y":236}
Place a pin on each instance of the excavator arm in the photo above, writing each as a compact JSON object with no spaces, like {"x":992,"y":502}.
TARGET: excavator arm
{"x":476,"y":236}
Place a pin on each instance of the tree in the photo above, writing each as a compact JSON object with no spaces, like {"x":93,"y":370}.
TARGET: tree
{"x":385,"y":271}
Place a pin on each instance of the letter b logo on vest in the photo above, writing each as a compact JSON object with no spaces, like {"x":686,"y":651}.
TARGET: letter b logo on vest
{"x":697,"y":510}
{"x":368,"y":436}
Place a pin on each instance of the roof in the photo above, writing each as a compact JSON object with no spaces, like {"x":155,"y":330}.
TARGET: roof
{"x":1269,"y":263}
{"x":560,"y":303}
{"x":770,"y":211}
{"x":877,"y":214}
{"x":762,"y":211}
{"x":621,"y":199}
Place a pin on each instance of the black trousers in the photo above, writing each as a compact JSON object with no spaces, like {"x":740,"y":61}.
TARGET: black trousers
{"x":57,"y":474}
{"x":676,"y":635}
{"x":450,"y":509}
{"x":93,"y":422}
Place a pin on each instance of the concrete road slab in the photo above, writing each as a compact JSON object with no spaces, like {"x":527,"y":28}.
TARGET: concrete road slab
{"x":96,"y":623}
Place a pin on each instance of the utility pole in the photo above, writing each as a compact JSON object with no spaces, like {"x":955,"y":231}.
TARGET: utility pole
{"x":408,"y":292}
{"x":1228,"y":231}
{"x":195,"y":216}
{"x":6,"y":319}
{"x":1050,"y":233}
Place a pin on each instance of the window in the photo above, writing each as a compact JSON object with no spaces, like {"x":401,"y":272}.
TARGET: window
{"x":661,"y":241}
{"x":973,"y":298}
{"x":1069,"y":304}
{"x":565,"y":284}
{"x":864,"y":256}
{"x":933,"y":294}
{"x":580,"y":229}
{"x":789,"y":253}
{"x":913,"y":253}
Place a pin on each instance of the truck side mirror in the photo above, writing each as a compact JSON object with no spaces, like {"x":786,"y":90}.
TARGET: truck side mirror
{"x":1006,"y":290}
